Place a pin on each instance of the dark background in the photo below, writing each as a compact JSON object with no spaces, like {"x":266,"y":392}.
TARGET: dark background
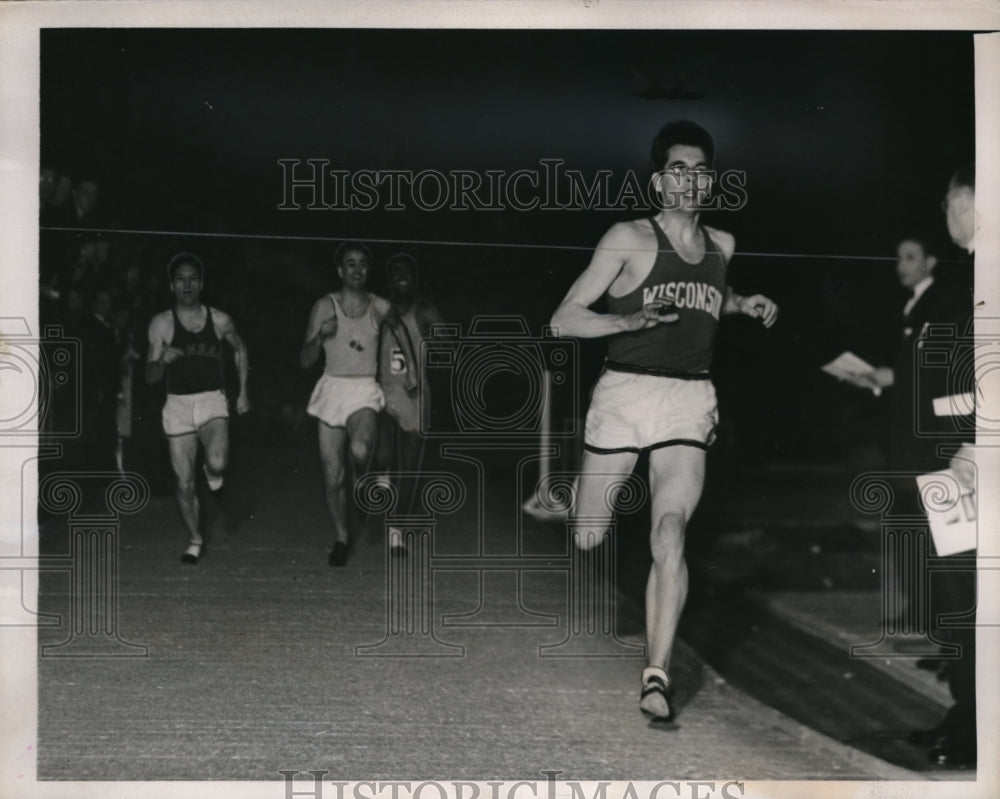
{"x":847,"y":138}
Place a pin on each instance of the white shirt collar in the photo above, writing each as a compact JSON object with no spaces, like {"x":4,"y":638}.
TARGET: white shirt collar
{"x":918,"y":291}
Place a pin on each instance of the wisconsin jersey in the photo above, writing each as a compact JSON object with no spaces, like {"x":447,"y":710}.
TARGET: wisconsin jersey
{"x":697,"y":292}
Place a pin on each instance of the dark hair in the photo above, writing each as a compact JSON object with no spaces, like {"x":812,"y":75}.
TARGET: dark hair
{"x":345,"y":247}
{"x":681,"y":132}
{"x":401,"y":258}
{"x":928,"y":243}
{"x":183,"y":258}
{"x":965,"y":176}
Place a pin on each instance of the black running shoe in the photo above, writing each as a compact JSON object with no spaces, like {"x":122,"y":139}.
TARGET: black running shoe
{"x":338,"y":557}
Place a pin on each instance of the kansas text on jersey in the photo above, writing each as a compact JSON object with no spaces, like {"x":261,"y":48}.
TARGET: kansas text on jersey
{"x":200,"y":367}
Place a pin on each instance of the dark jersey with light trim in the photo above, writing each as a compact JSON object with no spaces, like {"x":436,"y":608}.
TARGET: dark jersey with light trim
{"x":200,"y":367}
{"x":697,"y":292}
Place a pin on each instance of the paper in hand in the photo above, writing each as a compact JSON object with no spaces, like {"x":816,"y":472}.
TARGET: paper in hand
{"x":951,"y":511}
{"x":849,"y":367}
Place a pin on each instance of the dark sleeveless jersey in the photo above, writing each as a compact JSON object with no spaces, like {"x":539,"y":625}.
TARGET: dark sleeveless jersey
{"x":697,"y":292}
{"x":200,"y":367}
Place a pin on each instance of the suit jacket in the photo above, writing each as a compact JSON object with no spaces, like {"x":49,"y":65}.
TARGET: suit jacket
{"x":935,"y":342}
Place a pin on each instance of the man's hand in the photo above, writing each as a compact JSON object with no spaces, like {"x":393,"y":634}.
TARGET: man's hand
{"x":883,"y":377}
{"x":322,"y":325}
{"x":658,"y":312}
{"x":242,"y":404}
{"x":328,"y":328}
{"x":759,"y":307}
{"x":963,"y":464}
{"x":873,"y":381}
{"x":171,"y":354}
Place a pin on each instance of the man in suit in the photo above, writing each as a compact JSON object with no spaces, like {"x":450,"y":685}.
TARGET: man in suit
{"x":953,"y":740}
{"x":914,"y":388}
{"x":929,"y":301}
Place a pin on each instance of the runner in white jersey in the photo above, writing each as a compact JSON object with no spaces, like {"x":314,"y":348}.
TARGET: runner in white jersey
{"x":347,"y":399}
{"x":664,"y":281}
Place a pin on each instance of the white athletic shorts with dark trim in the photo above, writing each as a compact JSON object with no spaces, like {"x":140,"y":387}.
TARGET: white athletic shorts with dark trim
{"x":335,"y":398}
{"x":185,"y":413}
{"x":632,"y":412}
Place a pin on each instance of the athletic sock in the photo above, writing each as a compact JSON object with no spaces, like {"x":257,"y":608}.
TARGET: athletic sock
{"x":654,"y":671}
{"x":653,"y":701}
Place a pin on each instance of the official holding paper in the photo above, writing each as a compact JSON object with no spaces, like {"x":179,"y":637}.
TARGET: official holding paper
{"x":912,"y":431}
{"x":931,"y":403}
{"x":953,"y":741}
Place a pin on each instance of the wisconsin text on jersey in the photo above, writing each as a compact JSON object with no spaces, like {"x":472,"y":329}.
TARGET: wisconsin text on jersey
{"x":698,"y":296}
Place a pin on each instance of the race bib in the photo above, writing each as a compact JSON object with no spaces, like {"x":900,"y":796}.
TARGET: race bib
{"x":397,"y":363}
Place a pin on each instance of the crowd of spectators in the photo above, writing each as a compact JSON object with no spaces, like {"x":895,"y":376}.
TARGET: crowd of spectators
{"x":92,"y":286}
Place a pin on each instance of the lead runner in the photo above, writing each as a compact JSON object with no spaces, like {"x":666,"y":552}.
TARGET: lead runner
{"x":664,"y":279}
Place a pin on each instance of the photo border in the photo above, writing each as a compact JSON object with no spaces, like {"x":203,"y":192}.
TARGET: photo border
{"x":20,"y":24}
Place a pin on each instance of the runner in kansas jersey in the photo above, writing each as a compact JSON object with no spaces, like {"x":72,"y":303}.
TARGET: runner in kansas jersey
{"x":664,"y":281}
{"x":185,"y":345}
